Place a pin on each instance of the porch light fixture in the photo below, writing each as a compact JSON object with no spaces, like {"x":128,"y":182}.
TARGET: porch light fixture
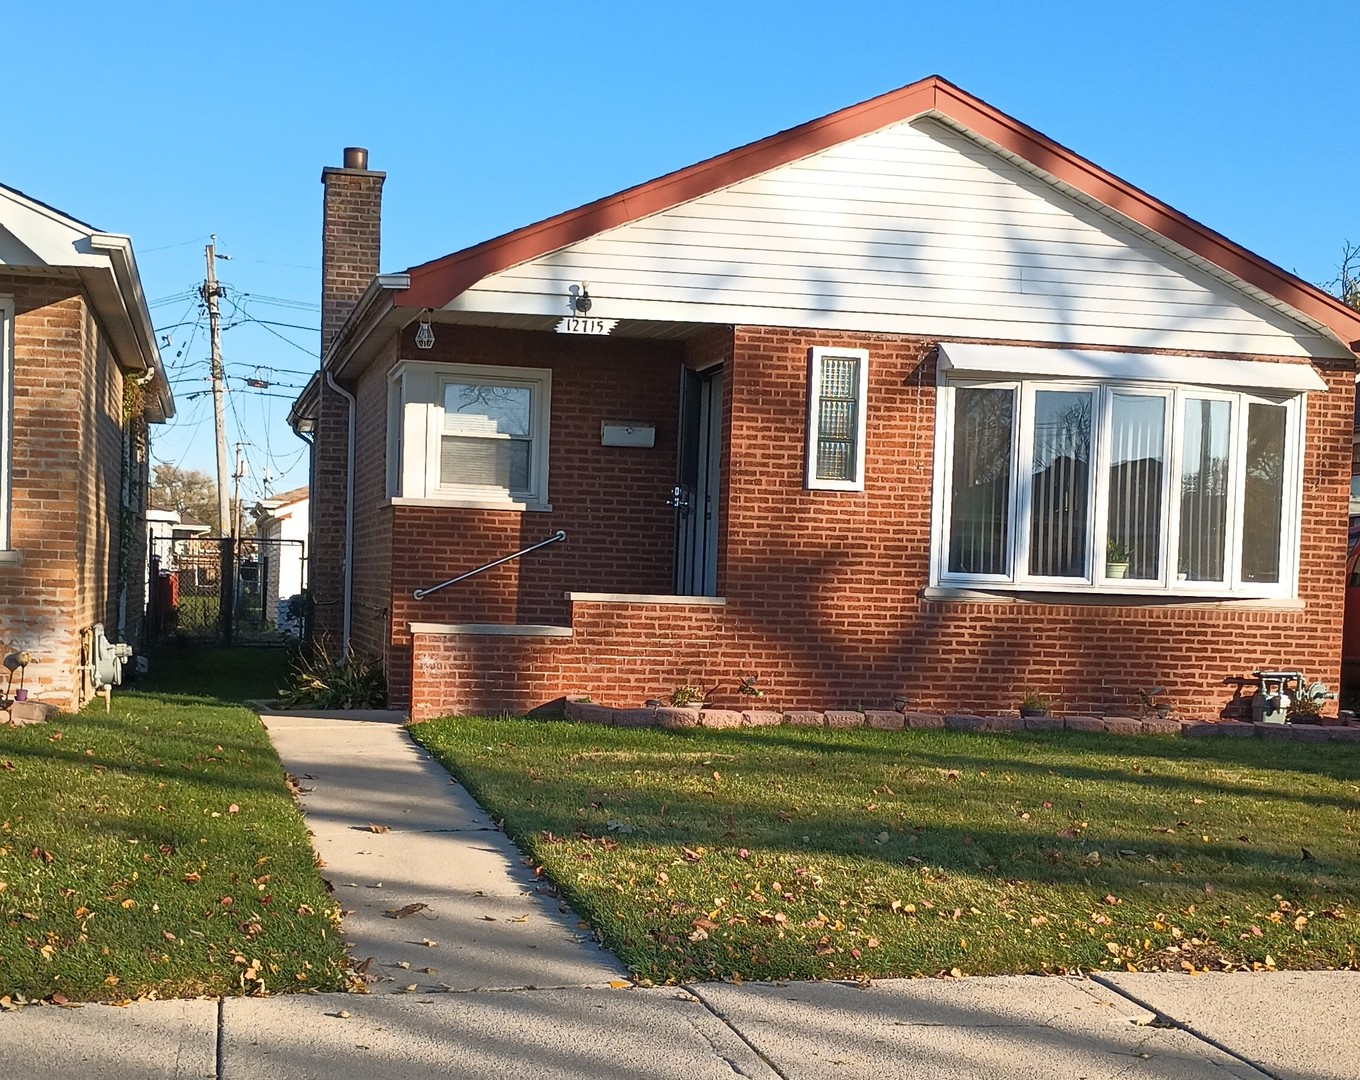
{"x":424,"y":331}
{"x":582,"y":299}
{"x":306,"y":425}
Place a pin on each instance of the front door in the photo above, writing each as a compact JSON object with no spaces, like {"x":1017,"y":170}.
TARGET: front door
{"x":695,"y":497}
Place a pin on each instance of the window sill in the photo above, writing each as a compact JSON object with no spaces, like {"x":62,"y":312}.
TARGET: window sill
{"x":1108,"y":598}
{"x":11,"y":557}
{"x":451,"y":503}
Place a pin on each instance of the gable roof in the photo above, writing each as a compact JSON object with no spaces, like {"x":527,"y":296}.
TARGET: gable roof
{"x":35,"y":237}
{"x":434,"y":284}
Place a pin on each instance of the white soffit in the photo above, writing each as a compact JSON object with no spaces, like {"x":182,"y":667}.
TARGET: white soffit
{"x":1144,"y":367}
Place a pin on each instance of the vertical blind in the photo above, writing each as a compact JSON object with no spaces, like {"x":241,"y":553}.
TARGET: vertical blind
{"x":1060,"y":483}
{"x":1137,"y":469}
{"x":979,"y":519}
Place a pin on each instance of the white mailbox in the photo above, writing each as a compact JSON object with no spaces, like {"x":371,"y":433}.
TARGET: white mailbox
{"x":627,"y":433}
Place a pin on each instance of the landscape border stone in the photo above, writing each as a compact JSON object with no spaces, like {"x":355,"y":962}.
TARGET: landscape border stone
{"x":674,"y":719}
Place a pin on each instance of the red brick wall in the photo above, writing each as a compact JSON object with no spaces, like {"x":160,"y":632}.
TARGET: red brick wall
{"x":369,"y":623}
{"x":823,"y":588}
{"x":66,"y":508}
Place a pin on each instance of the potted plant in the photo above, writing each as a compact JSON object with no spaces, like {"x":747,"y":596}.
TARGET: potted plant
{"x":1033,"y":703}
{"x":1117,"y":557}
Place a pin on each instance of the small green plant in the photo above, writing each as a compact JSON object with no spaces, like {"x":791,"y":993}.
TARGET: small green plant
{"x":687,"y":694}
{"x":746,"y":687}
{"x":1036,"y":703}
{"x":1117,"y":552}
{"x":322,"y":683}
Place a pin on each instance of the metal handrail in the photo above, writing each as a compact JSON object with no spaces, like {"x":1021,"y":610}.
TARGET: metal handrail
{"x":420,"y":594}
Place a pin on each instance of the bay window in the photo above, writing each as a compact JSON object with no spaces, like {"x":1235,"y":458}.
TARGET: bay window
{"x":1077,"y":484}
{"x":469,"y":435}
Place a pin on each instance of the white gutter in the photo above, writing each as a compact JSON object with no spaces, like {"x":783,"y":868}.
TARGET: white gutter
{"x":128,"y":281}
{"x":349,"y":512}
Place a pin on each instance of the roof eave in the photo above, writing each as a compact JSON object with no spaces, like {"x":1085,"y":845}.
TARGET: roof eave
{"x":127,"y":318}
{"x":376,"y":316}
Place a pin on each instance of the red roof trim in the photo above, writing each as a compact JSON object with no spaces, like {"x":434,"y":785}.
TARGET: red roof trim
{"x":433,"y":284}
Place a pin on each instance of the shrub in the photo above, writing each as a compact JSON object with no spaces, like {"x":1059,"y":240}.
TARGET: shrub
{"x":322,"y":683}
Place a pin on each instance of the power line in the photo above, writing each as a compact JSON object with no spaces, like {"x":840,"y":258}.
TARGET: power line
{"x":266,"y":322}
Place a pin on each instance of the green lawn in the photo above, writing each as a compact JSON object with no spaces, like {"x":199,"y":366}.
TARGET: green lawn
{"x":809,"y":853}
{"x":156,"y":851}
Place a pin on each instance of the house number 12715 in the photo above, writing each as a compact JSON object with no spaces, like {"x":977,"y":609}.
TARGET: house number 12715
{"x":576,"y":324}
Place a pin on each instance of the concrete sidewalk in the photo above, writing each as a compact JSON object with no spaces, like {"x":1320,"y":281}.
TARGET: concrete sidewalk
{"x":493,"y":978}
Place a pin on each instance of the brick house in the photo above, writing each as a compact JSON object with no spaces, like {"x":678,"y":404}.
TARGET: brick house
{"x":79,"y":383}
{"x":907,"y":400}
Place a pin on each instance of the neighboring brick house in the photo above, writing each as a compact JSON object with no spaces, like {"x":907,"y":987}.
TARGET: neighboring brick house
{"x":906,"y":400}
{"x":79,"y":383}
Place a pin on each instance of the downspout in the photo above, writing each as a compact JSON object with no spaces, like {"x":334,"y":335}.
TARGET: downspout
{"x":349,"y":510}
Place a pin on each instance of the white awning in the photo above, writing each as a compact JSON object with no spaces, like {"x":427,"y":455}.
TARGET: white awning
{"x":1091,"y":364}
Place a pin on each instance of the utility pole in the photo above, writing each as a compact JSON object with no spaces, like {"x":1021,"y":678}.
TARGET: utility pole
{"x":211,"y":291}
{"x":236,"y":492}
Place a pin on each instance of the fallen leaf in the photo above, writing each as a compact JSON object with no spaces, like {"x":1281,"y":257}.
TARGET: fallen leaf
{"x":619,"y":984}
{"x":233,"y":809}
{"x":693,"y":855}
{"x":379,"y":828}
{"x":402,"y":912}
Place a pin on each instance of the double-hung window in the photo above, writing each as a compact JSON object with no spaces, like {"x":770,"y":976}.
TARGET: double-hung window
{"x":469,"y":434}
{"x":1052,"y":482}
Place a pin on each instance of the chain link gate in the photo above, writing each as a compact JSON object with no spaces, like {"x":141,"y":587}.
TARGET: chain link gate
{"x":217,"y":590}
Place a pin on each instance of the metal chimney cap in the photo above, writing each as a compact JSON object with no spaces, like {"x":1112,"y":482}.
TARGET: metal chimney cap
{"x":356,"y":157}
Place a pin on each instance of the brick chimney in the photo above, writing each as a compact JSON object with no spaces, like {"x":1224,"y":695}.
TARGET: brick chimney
{"x":351,"y":232}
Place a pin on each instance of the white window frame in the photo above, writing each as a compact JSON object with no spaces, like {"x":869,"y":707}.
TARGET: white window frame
{"x":816,"y":356}
{"x":6,"y":417}
{"x":415,"y":428}
{"x":1095,"y":581}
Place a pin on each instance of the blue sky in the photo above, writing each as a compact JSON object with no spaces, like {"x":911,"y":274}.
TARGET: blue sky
{"x":170,"y":122}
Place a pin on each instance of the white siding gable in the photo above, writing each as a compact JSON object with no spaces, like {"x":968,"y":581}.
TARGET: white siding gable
{"x":913,"y":229}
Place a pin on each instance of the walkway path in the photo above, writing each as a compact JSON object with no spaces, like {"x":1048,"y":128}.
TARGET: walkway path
{"x":492,"y":978}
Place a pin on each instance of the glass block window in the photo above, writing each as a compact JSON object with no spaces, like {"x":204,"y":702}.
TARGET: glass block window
{"x":836,"y":398}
